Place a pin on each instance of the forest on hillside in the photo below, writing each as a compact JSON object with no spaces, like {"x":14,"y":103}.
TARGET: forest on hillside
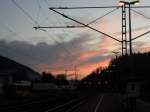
{"x":120,"y":71}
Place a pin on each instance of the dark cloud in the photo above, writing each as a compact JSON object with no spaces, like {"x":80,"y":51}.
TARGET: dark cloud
{"x":95,"y":59}
{"x":61,"y":55}
{"x":138,"y":45}
{"x":43,"y":55}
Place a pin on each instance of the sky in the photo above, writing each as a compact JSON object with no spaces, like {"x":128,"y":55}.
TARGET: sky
{"x":57,"y":50}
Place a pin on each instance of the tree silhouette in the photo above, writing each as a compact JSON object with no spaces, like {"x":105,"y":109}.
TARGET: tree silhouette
{"x":121,"y":70}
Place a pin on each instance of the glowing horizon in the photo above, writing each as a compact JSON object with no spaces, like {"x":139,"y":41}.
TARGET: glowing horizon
{"x":58,"y":49}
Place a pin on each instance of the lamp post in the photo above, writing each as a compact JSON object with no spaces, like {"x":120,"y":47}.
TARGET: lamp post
{"x":124,"y":3}
{"x":116,"y":54}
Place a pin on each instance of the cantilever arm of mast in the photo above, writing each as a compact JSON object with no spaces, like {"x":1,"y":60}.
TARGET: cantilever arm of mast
{"x":115,"y":52}
{"x":140,"y":7}
{"x":97,"y":7}
{"x":70,"y":26}
{"x":141,"y":35}
{"x":84,"y":7}
{"x":84,"y":24}
{"x":103,"y":16}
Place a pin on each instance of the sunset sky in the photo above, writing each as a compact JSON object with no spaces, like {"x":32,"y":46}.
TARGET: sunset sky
{"x":59,"y":49}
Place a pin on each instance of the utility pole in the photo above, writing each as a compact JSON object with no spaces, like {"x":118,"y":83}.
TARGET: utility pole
{"x":75,"y":73}
{"x":66,"y":72}
{"x":116,"y":53}
{"x":124,"y":31}
{"x":130,"y":30}
{"x":124,"y":4}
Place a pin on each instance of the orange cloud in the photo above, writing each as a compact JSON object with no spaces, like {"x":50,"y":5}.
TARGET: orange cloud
{"x":86,"y":69}
{"x":83,"y":70}
{"x":89,"y":54}
{"x":145,"y":49}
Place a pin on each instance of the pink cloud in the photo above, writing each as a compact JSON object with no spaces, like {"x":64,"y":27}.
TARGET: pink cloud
{"x":82,"y":70}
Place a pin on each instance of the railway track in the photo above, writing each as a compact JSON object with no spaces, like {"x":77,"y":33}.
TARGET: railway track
{"x":43,"y":104}
{"x":79,"y":105}
{"x":97,"y":102}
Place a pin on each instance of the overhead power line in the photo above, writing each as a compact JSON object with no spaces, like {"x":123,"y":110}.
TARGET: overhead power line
{"x":103,"y":16}
{"x":70,"y":26}
{"x":56,"y":41}
{"x":141,"y":35}
{"x":126,"y":5}
{"x":84,"y":7}
{"x":144,"y":17}
{"x":84,"y":24}
{"x":46,"y":2}
{"x":39,"y":9}
{"x":97,"y":7}
{"x":79,"y":26}
{"x":141,"y":14}
{"x":139,"y":7}
{"x":35,"y":22}
{"x":25,"y":12}
{"x":31,"y":18}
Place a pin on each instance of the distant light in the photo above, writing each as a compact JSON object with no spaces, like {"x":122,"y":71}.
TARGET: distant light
{"x":90,"y":83}
{"x":121,"y":4}
{"x":85,"y":82}
{"x":106,"y":82}
{"x":137,"y":2}
{"x":99,"y":83}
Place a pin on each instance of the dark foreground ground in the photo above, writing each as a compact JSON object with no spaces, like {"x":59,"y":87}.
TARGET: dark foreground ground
{"x":65,"y":101}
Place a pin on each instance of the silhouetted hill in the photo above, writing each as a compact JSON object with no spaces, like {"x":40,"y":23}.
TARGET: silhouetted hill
{"x":17,"y":70}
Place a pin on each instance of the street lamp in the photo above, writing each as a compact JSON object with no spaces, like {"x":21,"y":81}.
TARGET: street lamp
{"x":124,"y":4}
{"x":116,"y":53}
